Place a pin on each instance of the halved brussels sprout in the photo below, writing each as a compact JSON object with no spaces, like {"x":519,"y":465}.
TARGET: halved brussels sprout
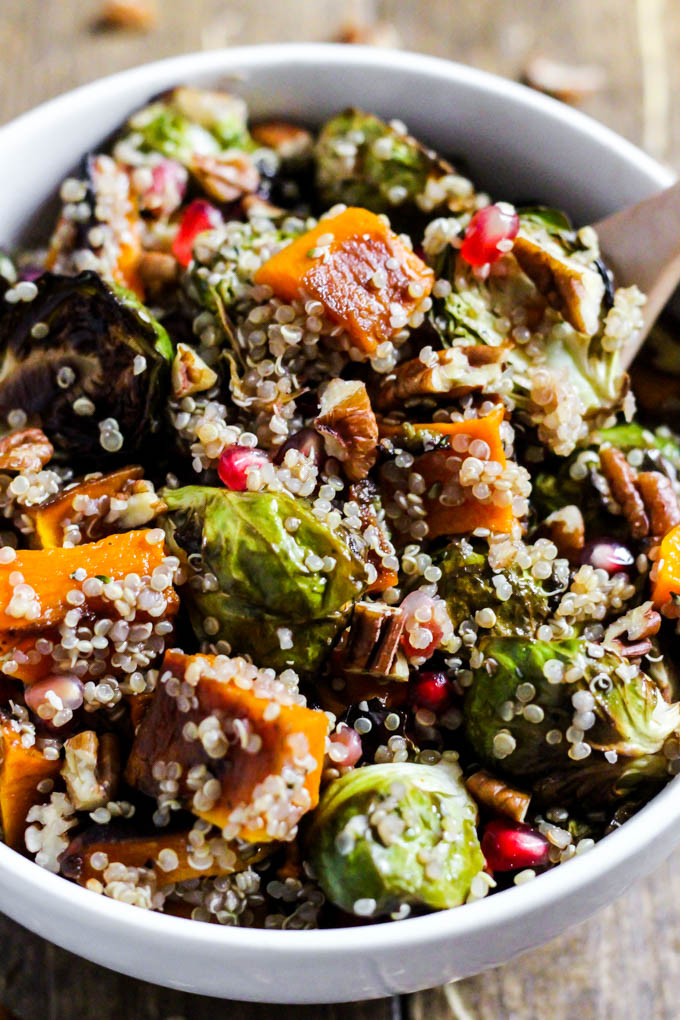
{"x":467,"y":586}
{"x":386,"y":835}
{"x":541,"y":709}
{"x":78,"y":354}
{"x":361,"y":160}
{"x":272,"y":580}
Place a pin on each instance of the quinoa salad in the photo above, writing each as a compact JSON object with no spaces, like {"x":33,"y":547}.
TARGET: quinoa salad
{"x":339,"y":554}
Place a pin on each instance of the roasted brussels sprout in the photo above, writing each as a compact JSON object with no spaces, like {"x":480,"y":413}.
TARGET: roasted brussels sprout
{"x":553,"y":274}
{"x":190,"y":121}
{"x":361,"y":160}
{"x":81,"y":353}
{"x":542,"y":709}
{"x":385,"y":835}
{"x":467,"y":585}
{"x":268,"y":587}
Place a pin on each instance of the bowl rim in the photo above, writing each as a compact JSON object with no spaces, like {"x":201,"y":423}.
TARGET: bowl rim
{"x":657,"y":816}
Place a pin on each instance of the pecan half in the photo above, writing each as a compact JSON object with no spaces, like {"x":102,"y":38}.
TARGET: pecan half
{"x":498,"y":796}
{"x":661,"y":502}
{"x":26,"y":450}
{"x":574,"y":291}
{"x":448,"y":373}
{"x":227,"y":176}
{"x":622,"y":479}
{"x":348,"y":426}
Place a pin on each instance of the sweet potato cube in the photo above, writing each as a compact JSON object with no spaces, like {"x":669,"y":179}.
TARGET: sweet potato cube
{"x":368,"y":281}
{"x":250,"y":754}
{"x":21,"y":770}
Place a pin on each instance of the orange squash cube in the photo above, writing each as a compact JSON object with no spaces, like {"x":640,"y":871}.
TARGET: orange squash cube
{"x":21,"y":770}
{"x":362,"y":273}
{"x":249,"y":755}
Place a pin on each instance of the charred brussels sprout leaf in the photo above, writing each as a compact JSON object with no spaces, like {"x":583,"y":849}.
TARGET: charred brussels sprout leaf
{"x":265,"y":597}
{"x":361,"y":160}
{"x":94,"y":337}
{"x":630,"y":715}
{"x":394,"y":834}
{"x":467,"y":586}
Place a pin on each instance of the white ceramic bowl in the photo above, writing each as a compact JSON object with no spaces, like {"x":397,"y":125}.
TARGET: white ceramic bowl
{"x":519,"y":145}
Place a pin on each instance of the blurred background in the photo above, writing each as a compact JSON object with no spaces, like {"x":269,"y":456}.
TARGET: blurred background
{"x":615,"y":59}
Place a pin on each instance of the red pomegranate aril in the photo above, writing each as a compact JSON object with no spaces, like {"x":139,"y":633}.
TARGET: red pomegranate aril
{"x":512,"y":846}
{"x":416,"y":605}
{"x":345,"y":746}
{"x":431,"y":690}
{"x":198,"y":217}
{"x":490,"y":227}
{"x":51,"y":695}
{"x":235,"y":463}
{"x":608,"y":554}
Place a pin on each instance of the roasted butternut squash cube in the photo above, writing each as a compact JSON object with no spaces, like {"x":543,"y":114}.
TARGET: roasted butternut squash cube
{"x":22,"y":769}
{"x":368,"y":281}
{"x":440,"y":468}
{"x":246,"y":753}
{"x":39,"y":587}
{"x":169,"y":854}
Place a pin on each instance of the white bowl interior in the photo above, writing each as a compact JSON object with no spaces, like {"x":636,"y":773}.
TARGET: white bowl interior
{"x":518,"y":145}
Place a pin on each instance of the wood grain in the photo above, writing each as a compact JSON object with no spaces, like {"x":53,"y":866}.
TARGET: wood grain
{"x":624,"y":964}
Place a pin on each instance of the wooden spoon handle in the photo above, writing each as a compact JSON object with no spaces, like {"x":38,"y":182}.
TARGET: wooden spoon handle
{"x":641,"y":244}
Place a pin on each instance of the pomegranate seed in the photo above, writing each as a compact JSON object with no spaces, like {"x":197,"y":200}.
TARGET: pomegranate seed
{"x":511,"y":846}
{"x":234,"y":464}
{"x":486,"y":230}
{"x":197,"y":217}
{"x":431,"y":690}
{"x":52,"y":695}
{"x":424,"y":624}
{"x":345,"y":746}
{"x":308,"y":442}
{"x":608,"y":554}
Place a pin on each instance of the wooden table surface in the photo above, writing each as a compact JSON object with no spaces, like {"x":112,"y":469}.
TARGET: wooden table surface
{"x":625,"y":963}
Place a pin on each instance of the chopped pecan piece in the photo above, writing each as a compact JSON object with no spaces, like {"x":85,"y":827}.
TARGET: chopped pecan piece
{"x":372,"y":641}
{"x":190,"y":374}
{"x":91,"y":769}
{"x":289,"y":141}
{"x":227,"y":176}
{"x":660,"y":500}
{"x":365,"y":495}
{"x":137,"y":15}
{"x":26,"y":450}
{"x":255,"y":205}
{"x":638,"y":624}
{"x":447,"y":373}
{"x":157,"y":270}
{"x":566,"y":528}
{"x":570,"y":83}
{"x":498,"y":796}
{"x":348,"y":426}
{"x":574,"y":291}
{"x":622,"y":479}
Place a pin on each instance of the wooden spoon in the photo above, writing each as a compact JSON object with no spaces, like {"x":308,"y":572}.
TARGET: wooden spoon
{"x":641,"y":244}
